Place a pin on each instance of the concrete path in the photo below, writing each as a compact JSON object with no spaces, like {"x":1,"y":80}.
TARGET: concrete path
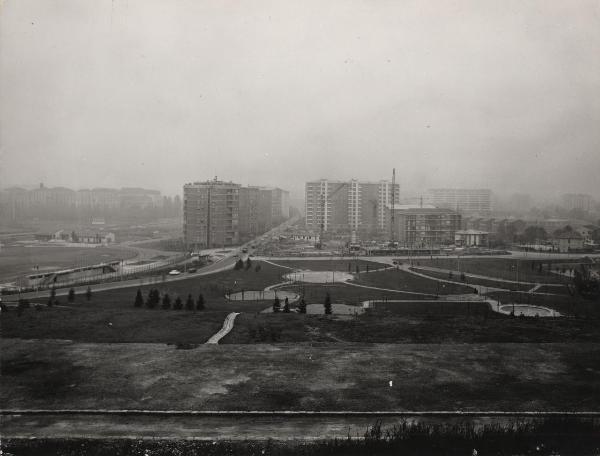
{"x":227,"y":327}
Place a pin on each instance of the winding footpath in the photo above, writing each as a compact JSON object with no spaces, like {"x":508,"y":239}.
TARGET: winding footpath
{"x":227,"y":327}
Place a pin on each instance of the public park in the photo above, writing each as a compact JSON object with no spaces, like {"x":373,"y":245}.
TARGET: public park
{"x":292,"y":335}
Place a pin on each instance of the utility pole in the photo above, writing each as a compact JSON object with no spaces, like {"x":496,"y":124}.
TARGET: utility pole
{"x":208,"y":219}
{"x":393,"y":206}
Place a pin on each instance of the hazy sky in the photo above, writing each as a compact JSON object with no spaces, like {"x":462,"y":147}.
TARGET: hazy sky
{"x":155,"y":93}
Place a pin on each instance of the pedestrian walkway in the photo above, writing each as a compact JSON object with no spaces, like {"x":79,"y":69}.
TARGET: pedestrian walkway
{"x":227,"y":327}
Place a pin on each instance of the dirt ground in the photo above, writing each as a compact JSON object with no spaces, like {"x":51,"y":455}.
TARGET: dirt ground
{"x":60,"y":374}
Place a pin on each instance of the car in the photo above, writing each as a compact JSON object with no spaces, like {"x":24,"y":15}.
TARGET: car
{"x":191,"y":270}
{"x":174,"y":272}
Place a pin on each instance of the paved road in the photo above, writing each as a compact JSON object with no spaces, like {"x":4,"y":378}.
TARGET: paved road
{"x":227,"y":327}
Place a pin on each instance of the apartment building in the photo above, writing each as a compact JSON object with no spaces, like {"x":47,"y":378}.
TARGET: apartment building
{"x":211,"y":214}
{"x":218,"y":213}
{"x":464,"y":200}
{"x":346,"y":206}
{"x":423,"y":226}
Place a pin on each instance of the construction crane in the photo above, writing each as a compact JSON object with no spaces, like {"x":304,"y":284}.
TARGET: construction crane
{"x":323,"y":197}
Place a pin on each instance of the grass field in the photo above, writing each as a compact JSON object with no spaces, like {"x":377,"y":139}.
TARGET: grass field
{"x":347,"y":294}
{"x":475,"y":281}
{"x":406,"y":323}
{"x":566,"y":305}
{"x":89,"y":324}
{"x":501,"y":268}
{"x":397,"y":279}
{"x":213,"y":287}
{"x":19,"y":261}
{"x":55,"y":374}
{"x":348,"y":265}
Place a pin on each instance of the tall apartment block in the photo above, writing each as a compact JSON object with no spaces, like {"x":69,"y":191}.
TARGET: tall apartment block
{"x":580,"y":201}
{"x":465,"y":200}
{"x":211,"y":214}
{"x":345,"y":206}
{"x":217,"y":214}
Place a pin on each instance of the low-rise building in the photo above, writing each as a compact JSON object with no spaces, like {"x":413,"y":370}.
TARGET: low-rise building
{"x":568,"y":242}
{"x":471,"y":238}
{"x":418,"y":226}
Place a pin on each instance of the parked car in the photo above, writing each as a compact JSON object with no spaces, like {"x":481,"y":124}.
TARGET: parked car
{"x":174,"y":272}
{"x":190,"y":270}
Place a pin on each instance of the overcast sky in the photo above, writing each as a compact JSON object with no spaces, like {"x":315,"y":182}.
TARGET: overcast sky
{"x":155,"y":93}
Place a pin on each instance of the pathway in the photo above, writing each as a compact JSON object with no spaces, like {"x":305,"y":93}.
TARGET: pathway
{"x":227,"y":327}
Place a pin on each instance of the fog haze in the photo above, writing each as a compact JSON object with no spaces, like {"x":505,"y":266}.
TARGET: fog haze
{"x":498,"y":94}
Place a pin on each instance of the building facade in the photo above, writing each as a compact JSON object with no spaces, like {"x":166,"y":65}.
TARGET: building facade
{"x":579,"y":201}
{"x":211,"y":214}
{"x":464,"y":200}
{"x":423,"y":226}
{"x":349,"y":206}
{"x":217,"y":213}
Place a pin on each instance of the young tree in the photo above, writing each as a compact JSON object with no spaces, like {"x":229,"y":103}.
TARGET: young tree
{"x":357,"y":269}
{"x":239,"y":264}
{"x":189,"y":303}
{"x":153,"y":298}
{"x":302,"y":306}
{"x":71,"y":296}
{"x":139,"y":300}
{"x":462,"y":276}
{"x":52,"y":299}
{"x":276,"y":305}
{"x":286,"y":305}
{"x":327,"y":304}
{"x":88,"y":293}
{"x":248,"y":263}
{"x":178,"y":304}
{"x":257,"y":268}
{"x":200,"y":302}
{"x":166,"y":301}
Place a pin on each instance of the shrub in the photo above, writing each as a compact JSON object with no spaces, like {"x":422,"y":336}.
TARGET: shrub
{"x":139,"y":300}
{"x":71,"y":297}
{"x":88,"y":293}
{"x":257,"y":268}
{"x":166,"y":301}
{"x":189,"y":303}
{"x":276,"y":305}
{"x":200,"y":302}
{"x":302,"y":306}
{"x":286,"y":305}
{"x":248,"y":263}
{"x":178,"y":304}
{"x":327,"y":304}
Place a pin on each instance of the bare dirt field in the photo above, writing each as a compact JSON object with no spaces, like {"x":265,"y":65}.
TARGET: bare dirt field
{"x":59,"y":374}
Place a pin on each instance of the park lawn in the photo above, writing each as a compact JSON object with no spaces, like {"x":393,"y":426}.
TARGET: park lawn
{"x":474,"y":281}
{"x":412,"y":322}
{"x":342,"y":293}
{"x":110,"y":325}
{"x":565,"y":304}
{"x":501,"y":268}
{"x":514,"y":377}
{"x":397,"y":279}
{"x":18,"y":261}
{"x":213,"y":287}
{"x":330,"y":264}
